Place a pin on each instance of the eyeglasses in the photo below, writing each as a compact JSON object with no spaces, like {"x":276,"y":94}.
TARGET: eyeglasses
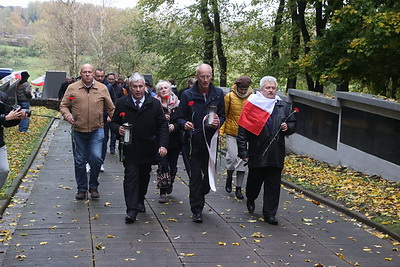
{"x":203,"y":77}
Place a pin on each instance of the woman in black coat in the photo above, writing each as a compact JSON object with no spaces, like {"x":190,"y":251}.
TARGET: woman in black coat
{"x":167,"y":167}
{"x":264,"y":151}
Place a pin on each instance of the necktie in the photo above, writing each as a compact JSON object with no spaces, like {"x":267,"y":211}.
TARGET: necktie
{"x":137,"y":104}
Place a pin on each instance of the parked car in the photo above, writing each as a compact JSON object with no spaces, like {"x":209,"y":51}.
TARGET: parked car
{"x":5,"y":72}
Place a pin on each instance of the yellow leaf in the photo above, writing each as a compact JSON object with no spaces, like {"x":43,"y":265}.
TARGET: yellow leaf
{"x":43,"y":243}
{"x":110,"y":236}
{"x":107,"y":204}
{"x":172,"y":220}
{"x":367,"y":249}
{"x":388,"y":259}
{"x":188,"y":254}
{"x":99,"y":246}
{"x":236,"y":244}
{"x":340,"y":255}
{"x":95,"y":217}
{"x":257,"y":234}
{"x":257,"y":240}
{"x":222,"y":243}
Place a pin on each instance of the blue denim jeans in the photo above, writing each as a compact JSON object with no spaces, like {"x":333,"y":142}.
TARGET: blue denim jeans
{"x":87,"y":148}
{"x":24,"y":124}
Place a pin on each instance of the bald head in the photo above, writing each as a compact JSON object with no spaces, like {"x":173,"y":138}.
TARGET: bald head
{"x":203,"y":76}
{"x":87,"y":75}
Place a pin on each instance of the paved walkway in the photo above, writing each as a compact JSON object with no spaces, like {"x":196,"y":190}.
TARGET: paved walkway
{"x":51,"y":228}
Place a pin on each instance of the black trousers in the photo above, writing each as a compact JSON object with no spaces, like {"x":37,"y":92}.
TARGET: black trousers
{"x":136,"y":181}
{"x":198,"y":183}
{"x":271,"y":177}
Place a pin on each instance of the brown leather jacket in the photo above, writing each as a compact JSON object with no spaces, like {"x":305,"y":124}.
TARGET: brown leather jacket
{"x":87,"y":107}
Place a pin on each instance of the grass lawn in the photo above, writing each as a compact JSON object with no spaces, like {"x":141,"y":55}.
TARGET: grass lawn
{"x":21,"y":145}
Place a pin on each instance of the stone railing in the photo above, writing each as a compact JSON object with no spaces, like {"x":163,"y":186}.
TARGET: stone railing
{"x":355,"y":130}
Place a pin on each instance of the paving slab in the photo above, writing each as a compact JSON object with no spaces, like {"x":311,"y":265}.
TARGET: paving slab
{"x":50,"y":228}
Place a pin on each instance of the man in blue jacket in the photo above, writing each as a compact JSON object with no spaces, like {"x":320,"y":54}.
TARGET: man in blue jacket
{"x":193,"y":108}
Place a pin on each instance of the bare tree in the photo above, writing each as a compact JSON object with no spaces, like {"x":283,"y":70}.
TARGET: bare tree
{"x":64,"y":37}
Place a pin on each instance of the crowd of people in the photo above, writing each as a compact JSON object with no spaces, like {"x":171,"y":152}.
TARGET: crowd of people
{"x":154,"y":125}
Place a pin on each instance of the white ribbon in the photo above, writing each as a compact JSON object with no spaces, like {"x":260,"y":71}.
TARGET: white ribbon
{"x":212,"y":156}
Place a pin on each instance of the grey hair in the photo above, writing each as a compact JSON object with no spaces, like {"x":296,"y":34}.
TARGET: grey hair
{"x":268,"y":79}
{"x":160,"y":83}
{"x":136,"y":77}
{"x":192,"y":80}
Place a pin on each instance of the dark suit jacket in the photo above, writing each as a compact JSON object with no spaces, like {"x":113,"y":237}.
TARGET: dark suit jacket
{"x":149,"y":131}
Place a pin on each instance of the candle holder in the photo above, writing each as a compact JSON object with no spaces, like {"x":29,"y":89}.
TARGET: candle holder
{"x":212,"y":110}
{"x":128,"y":133}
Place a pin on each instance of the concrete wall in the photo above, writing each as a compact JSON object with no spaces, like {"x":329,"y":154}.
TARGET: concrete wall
{"x":356,"y":146}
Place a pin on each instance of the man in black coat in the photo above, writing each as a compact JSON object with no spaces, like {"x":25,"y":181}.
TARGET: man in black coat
{"x":64,"y":86}
{"x":194,"y":105}
{"x":263,"y":146}
{"x":149,"y":135}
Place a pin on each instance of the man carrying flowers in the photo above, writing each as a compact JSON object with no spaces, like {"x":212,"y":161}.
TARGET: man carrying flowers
{"x":263,"y":125}
{"x":200,"y":113}
{"x":140,"y":117}
{"x":82,"y":106}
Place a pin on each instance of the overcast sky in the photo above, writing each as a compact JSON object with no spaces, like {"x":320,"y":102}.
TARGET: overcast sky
{"x":114,"y":3}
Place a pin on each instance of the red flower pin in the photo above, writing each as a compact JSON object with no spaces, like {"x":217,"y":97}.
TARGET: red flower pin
{"x":190,"y":103}
{"x":296,"y":110}
{"x":122,"y":114}
{"x":166,"y":97}
{"x":71,"y":98}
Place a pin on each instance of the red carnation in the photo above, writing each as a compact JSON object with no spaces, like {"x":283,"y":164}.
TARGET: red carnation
{"x":190,"y":103}
{"x":296,"y":110}
{"x":122,"y":114}
{"x":166,"y":97}
{"x":71,"y":98}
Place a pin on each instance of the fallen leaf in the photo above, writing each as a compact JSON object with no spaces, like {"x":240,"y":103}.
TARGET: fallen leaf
{"x":99,"y":246}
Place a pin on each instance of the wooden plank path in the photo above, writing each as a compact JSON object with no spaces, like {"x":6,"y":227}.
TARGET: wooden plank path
{"x":51,"y":228}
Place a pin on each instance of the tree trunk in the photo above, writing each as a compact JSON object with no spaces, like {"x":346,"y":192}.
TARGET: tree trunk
{"x":302,"y":4}
{"x":218,"y":43}
{"x":343,"y":86}
{"x":294,"y":48}
{"x":276,"y":33}
{"x":208,"y":33}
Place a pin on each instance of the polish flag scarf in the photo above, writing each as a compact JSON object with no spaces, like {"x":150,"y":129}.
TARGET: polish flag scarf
{"x":256,"y":112}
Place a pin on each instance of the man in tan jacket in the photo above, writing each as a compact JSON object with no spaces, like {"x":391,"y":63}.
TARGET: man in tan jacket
{"x":82,"y":106}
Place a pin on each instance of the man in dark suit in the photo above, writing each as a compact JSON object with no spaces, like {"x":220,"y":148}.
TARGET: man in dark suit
{"x":149,"y":135}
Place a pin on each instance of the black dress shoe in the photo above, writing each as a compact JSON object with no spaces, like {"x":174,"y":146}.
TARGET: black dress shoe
{"x":271,"y":220}
{"x":142,"y":208}
{"x":130,"y":217}
{"x":250,"y":206}
{"x":197,"y":218}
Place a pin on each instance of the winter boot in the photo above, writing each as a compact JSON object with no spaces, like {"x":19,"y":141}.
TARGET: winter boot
{"x":238,"y":193}
{"x":228,"y":186}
